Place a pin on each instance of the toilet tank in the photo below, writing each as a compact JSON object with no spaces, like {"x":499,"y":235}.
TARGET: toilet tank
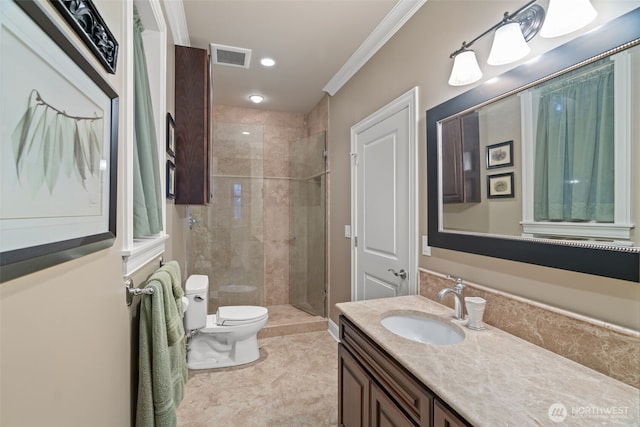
{"x":196,"y":291}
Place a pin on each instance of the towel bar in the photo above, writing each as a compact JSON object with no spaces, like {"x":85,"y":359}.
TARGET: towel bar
{"x":132,"y":291}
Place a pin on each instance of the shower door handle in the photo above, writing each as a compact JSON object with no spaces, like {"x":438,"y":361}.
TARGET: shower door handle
{"x":401,"y":274}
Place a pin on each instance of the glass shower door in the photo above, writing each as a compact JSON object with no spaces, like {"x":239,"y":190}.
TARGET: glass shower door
{"x":307,"y":259}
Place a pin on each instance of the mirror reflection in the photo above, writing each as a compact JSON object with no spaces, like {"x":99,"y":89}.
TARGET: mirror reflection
{"x":551,"y":161}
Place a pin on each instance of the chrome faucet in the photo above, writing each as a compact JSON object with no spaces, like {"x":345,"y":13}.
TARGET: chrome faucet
{"x":456,"y":291}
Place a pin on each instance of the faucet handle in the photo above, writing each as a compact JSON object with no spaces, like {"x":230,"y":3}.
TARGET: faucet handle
{"x":459,"y":285}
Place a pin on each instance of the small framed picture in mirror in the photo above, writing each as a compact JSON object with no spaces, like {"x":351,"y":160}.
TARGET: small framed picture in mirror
{"x":171,"y":180}
{"x":171,"y":136}
{"x":500,"y":155}
{"x":500,"y":186}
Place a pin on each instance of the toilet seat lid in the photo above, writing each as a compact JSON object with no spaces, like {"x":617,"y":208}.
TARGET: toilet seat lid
{"x":240,"y":314}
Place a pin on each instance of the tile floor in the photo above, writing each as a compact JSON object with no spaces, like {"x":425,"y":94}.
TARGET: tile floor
{"x":293,"y":384}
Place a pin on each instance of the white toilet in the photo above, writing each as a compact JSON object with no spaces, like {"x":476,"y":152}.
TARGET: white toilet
{"x":227,"y":338}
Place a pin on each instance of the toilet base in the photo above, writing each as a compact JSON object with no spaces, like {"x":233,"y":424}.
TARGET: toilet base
{"x":209,"y":351}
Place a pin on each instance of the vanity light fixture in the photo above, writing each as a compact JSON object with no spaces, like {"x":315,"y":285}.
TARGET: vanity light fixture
{"x":256,"y":99}
{"x":509,"y":44}
{"x":567,"y":16}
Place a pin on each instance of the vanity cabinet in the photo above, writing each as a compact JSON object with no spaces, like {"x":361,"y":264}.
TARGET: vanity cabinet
{"x":375,"y":390}
{"x":461,"y":159}
{"x":192,"y":117}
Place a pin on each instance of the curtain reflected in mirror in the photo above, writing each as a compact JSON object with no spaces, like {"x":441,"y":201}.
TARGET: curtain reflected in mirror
{"x":574,"y":161}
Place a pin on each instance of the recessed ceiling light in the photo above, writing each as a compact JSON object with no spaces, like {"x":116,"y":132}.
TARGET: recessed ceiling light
{"x":256,"y":99}
{"x":246,"y":132}
{"x":268,"y":62}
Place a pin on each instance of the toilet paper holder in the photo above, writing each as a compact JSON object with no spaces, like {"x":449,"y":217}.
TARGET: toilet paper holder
{"x":131,"y":291}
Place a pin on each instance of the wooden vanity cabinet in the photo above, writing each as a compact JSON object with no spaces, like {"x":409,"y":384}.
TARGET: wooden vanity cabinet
{"x":461,"y":159}
{"x":375,"y":390}
{"x":192,"y":117}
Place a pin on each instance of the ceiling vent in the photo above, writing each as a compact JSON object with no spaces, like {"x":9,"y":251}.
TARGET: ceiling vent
{"x":230,"y":56}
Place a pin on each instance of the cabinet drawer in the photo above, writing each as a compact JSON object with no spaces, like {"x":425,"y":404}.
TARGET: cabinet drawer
{"x":408,"y":392}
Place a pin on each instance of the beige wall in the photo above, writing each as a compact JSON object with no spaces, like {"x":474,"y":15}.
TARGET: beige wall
{"x":418,"y":55}
{"x":65,"y":332}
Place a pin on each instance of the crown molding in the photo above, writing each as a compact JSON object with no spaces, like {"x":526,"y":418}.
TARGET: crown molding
{"x":177,"y":22}
{"x":395,"y":19}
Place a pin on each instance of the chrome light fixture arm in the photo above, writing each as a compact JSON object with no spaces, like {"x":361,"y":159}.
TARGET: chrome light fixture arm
{"x":530,"y":17}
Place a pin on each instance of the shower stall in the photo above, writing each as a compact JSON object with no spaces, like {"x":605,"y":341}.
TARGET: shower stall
{"x":261,"y":239}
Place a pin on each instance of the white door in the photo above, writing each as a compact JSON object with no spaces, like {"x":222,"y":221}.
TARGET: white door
{"x":383,"y":213}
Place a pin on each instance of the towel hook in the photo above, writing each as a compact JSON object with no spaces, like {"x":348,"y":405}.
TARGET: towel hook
{"x":132,"y":291}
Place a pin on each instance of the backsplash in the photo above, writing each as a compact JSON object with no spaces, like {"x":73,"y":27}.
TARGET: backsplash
{"x":606,"y":348}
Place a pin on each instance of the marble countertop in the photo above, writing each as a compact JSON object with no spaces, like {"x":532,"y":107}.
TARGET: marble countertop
{"x":493,"y":378}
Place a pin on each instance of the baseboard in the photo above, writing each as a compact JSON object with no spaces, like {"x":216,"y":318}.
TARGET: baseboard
{"x":334,"y":330}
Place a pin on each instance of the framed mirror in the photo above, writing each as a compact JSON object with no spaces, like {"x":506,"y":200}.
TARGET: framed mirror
{"x":536,"y":165}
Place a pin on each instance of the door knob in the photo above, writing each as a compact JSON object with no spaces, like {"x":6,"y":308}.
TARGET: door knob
{"x":401,"y":274}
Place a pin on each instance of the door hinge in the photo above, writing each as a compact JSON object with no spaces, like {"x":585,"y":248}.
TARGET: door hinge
{"x":355,"y":241}
{"x":354,"y":156}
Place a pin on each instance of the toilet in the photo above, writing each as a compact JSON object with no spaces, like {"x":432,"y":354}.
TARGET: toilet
{"x":227,"y":338}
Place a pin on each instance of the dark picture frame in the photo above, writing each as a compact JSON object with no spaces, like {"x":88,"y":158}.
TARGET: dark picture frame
{"x":59,"y":206}
{"x":171,"y":180}
{"x":171,"y":136}
{"x":500,"y":186}
{"x":500,"y":155}
{"x":84,"y":18}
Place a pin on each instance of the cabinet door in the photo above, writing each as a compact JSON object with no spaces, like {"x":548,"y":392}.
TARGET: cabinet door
{"x":192,"y":125}
{"x":353,"y":391}
{"x":442,"y":417}
{"x":461,"y":159}
{"x":384,"y":412}
{"x":452,"y":173}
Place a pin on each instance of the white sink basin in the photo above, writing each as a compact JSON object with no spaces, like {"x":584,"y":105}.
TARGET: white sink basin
{"x":421,"y":327}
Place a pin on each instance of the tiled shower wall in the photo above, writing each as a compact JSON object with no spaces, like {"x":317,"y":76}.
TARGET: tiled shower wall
{"x":241,"y":239}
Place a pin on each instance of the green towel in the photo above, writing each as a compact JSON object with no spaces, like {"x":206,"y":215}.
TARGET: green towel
{"x":172,"y":300}
{"x":162,"y":366}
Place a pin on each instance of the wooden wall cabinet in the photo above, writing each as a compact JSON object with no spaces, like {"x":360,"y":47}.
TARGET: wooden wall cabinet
{"x":461,"y":159}
{"x":192,"y":117}
{"x":375,"y":390}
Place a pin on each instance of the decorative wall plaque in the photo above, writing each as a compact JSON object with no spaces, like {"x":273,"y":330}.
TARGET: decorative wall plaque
{"x":85,"y":20}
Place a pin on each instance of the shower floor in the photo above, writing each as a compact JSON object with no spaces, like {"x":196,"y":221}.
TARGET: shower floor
{"x":287,"y":320}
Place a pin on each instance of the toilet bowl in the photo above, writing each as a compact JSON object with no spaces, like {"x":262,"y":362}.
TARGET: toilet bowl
{"x":227,"y":338}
